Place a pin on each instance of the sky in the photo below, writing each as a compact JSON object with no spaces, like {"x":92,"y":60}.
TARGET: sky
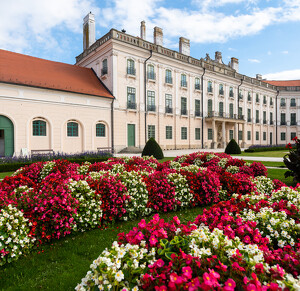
{"x":262,"y":34}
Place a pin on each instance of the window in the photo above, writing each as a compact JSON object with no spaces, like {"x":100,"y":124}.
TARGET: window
{"x":271,"y":118}
{"x":197,"y":84}
{"x":209,"y":107}
{"x":240,"y":135}
{"x":293,"y":102}
{"x":197,"y":107}
{"x":241,"y":116}
{"x":209,"y":134}
{"x":183,"y":81}
{"x":257,"y":98}
{"x":249,"y":135}
{"x":282,"y":136}
{"x":230,"y":134}
{"x":169,"y":132}
{"x":183,"y":106}
{"x":100,"y":129}
{"x":257,"y":135}
{"x":197,"y":133}
{"x":293,"y":135}
{"x":221,"y":90}
{"x":257,"y":116}
{"x":39,"y":128}
{"x":271,"y":101}
{"x":282,"y":119}
{"x":183,"y":132}
{"x":130,"y":67}
{"x":209,"y":87}
{"x":131,"y":98}
{"x":293,"y":119}
{"x":72,"y":129}
{"x":169,"y":108}
{"x":150,"y":72}
{"x":240,"y":95}
{"x":221,"y":109}
{"x":264,"y":117}
{"x":151,"y":131}
{"x":282,"y":102}
{"x":231,"y":92}
{"x":168,"y":79}
{"x":249,"y":96}
{"x":249,"y":115}
{"x":151,"y":101}
{"x":265,"y":100}
{"x":104,"y":67}
{"x":231,"y":110}
{"x":264,"y":135}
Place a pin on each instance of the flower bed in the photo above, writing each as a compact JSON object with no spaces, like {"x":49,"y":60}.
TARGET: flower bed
{"x":49,"y":200}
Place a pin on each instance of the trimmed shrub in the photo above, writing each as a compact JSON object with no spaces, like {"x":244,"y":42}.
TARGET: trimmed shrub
{"x":152,"y":148}
{"x":233,"y":148}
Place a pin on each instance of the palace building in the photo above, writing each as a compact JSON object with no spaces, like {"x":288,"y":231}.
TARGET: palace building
{"x":124,"y":90}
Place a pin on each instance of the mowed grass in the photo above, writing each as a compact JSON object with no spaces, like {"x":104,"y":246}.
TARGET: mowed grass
{"x":4,"y":174}
{"x":62,"y":264}
{"x":275,"y":154}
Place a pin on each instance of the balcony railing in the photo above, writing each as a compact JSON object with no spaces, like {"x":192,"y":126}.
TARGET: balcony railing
{"x":249,"y":119}
{"x":293,"y":104}
{"x":197,"y":86}
{"x":104,"y":71}
{"x":293,"y":123}
{"x":131,"y":105}
{"x":282,"y":104}
{"x":197,"y":113}
{"x":168,"y":80}
{"x":183,"y":111}
{"x":151,"y":108}
{"x":183,"y":83}
{"x":225,"y":115}
{"x":169,"y":109}
{"x":271,"y":122}
{"x":151,"y":76}
{"x":264,"y":121}
{"x":131,"y":71}
{"x":282,"y":122}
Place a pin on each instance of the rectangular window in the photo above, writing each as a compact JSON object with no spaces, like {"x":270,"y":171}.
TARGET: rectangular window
{"x":168,"y":77}
{"x":151,"y":101}
{"x":197,"y":84}
{"x":209,"y":87}
{"x":39,"y":128}
{"x":265,"y":100}
{"x":183,"y":132}
{"x":183,"y":106}
{"x":264,"y":117}
{"x":231,"y":110}
{"x":221,"y":109}
{"x":257,"y":135}
{"x":230,"y":134}
{"x":293,"y":135}
{"x":257,"y":98}
{"x":100,"y":129}
{"x":249,"y":96}
{"x":169,"y":106}
{"x":209,"y":107}
{"x":282,"y":119}
{"x":249,"y":115}
{"x":264,"y":135}
{"x":197,"y":107}
{"x":151,"y":131}
{"x":169,"y":132}
{"x":131,"y":98}
{"x":240,"y":135}
{"x":249,"y":135}
{"x":271,"y":101}
{"x":257,"y":116}
{"x":183,"y":81}
{"x":197,"y":133}
{"x":241,"y":113}
{"x":293,"y":119}
{"x":282,"y":136}
{"x":230,"y":92}
{"x":209,"y":134}
{"x":271,"y":118}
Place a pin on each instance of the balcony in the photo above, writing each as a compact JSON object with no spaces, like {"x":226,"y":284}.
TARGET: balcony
{"x":282,"y":122}
{"x":293,"y":123}
{"x":197,"y":113}
{"x":282,"y":104}
{"x":183,"y":84}
{"x":293,"y":104}
{"x":151,"y":76}
{"x":151,"y":108}
{"x":168,"y":80}
{"x":131,"y":105}
{"x":271,"y":122}
{"x":183,"y":111}
{"x":264,"y":121}
{"x":131,"y":71}
{"x":169,"y":110}
{"x":197,"y":86}
{"x":249,"y":119}
{"x":104,"y":71}
{"x":212,"y":114}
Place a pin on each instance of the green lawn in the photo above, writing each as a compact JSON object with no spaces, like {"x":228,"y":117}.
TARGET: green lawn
{"x":279,"y":174}
{"x":269,"y":164}
{"x":4,"y":174}
{"x":62,"y":264}
{"x":276,"y":154}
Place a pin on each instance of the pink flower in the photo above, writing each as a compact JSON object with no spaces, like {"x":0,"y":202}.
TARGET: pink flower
{"x":235,"y":265}
{"x":174,"y":278}
{"x":159,"y":263}
{"x":251,"y":287}
{"x":142,"y":224}
{"x":187,"y":272}
{"x":229,"y":285}
{"x":153,"y":240}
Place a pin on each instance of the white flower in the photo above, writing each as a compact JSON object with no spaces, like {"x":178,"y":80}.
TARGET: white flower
{"x":119,"y":276}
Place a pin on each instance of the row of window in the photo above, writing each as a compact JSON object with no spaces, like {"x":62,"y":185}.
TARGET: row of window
{"x":283,"y":103}
{"x":293,"y":120}
{"x":39,"y":128}
{"x":169,"y":132}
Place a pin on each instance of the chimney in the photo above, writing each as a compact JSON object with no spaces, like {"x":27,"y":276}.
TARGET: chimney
{"x":234,"y":64}
{"x":259,"y":77}
{"x":158,"y":36}
{"x":218,"y":57}
{"x":184,"y":46}
{"x":143,"y":30}
{"x":88,"y":30}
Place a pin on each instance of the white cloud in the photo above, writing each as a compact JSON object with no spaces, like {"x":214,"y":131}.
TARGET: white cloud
{"x":23,"y":24}
{"x":285,"y":52}
{"x":254,"y":61}
{"x":269,"y":53}
{"x":284,"y":75}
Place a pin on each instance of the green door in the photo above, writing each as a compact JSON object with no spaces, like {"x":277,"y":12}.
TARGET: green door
{"x":6,"y":137}
{"x":131,"y":135}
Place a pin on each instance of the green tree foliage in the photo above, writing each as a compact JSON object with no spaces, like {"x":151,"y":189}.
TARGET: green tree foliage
{"x":152,"y":148}
{"x":292,"y":160}
{"x":233,"y":148}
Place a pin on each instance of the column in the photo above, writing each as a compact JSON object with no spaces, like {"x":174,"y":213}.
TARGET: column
{"x":214,"y":142}
{"x":224,"y":141}
{"x":243,"y":135}
{"x":236,"y":131}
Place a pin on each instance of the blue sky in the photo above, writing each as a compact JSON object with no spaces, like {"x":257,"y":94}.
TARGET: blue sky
{"x":263,"y":35}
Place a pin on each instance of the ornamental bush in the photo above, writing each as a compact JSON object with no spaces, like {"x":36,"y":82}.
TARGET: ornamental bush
{"x":292,"y":160}
{"x":152,"y":148}
{"x":233,"y":148}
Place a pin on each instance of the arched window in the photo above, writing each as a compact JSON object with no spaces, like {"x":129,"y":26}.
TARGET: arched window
{"x":39,"y":128}
{"x":130,"y":67}
{"x":168,"y":77}
{"x":72,"y":129}
{"x":104,"y":67}
{"x":100,"y":129}
{"x":209,"y":87}
{"x":221,"y":90}
{"x":282,"y":102}
{"x":230,"y":92}
{"x":150,"y":72}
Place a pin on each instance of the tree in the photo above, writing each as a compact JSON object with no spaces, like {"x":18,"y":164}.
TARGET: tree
{"x":152,"y":148}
